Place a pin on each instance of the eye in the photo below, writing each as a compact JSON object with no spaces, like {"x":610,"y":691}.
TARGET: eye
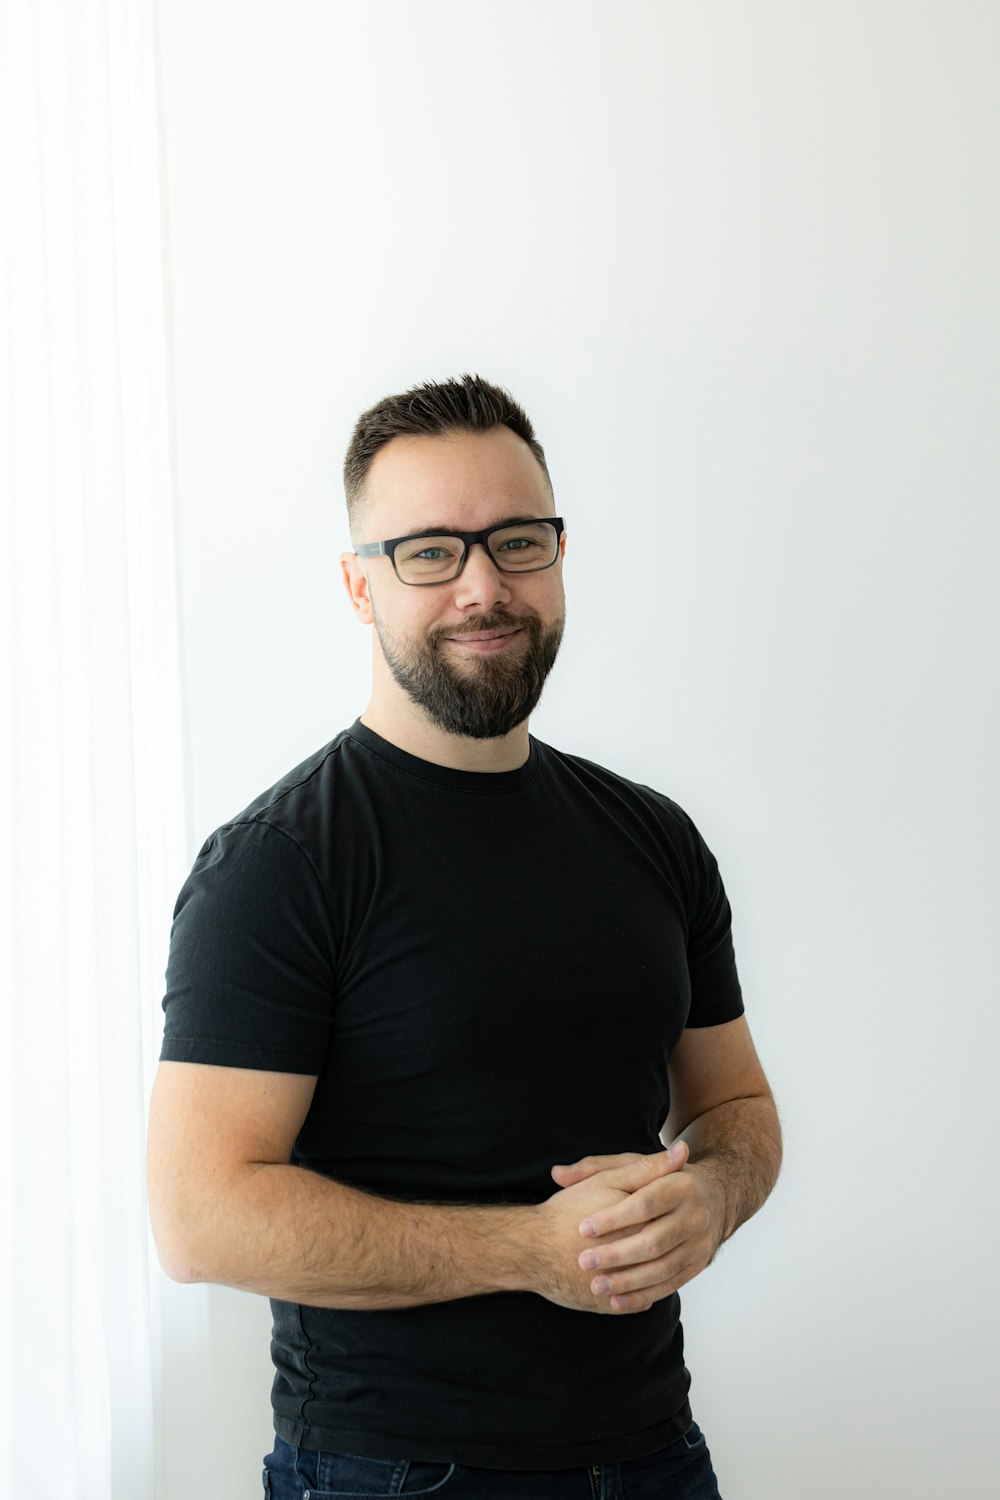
{"x":428,"y":549}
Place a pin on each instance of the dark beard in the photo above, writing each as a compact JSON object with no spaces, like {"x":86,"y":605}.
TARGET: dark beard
{"x":495,"y":693}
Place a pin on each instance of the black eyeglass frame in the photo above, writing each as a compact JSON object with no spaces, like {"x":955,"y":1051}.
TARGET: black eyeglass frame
{"x":467,"y":538}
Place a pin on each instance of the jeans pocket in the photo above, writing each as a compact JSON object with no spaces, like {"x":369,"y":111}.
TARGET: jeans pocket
{"x":337,"y":1476}
{"x":425,"y":1478}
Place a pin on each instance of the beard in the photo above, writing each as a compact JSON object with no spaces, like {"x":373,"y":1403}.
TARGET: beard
{"x":489,"y":695}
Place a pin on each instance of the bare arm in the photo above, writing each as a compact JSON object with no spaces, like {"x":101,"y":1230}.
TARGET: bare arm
{"x":721,"y":1104}
{"x":724,"y":1159}
{"x":227,"y":1206}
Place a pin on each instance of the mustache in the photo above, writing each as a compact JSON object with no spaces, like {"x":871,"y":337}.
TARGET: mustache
{"x":498,"y":621}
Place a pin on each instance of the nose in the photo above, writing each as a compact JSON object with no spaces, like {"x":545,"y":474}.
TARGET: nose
{"x":481,"y":584}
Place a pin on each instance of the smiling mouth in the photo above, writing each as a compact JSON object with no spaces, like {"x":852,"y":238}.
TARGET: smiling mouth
{"x":482,"y":635}
{"x":484,"y":642}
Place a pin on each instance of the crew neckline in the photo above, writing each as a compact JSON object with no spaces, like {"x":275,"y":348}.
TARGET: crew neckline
{"x":483,"y":782}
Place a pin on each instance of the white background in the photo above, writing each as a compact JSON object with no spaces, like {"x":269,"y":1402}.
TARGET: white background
{"x":738,"y":262}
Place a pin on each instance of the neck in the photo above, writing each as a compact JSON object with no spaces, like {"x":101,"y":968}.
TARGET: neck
{"x":408,"y":728}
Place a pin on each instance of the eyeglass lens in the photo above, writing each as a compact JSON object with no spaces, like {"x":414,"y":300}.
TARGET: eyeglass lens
{"x":515,"y":549}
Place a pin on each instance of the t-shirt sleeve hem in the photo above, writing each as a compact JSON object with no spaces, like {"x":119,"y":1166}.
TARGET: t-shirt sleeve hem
{"x":727,"y":1008}
{"x":229,"y":1054}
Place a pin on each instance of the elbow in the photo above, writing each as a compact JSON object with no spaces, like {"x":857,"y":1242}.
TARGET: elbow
{"x":174,"y":1263}
{"x":181,"y":1231}
{"x":173,"y":1249}
{"x":182,"y":1271}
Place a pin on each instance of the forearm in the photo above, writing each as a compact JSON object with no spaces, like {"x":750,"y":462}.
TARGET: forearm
{"x":737,"y":1146}
{"x":295,"y":1235}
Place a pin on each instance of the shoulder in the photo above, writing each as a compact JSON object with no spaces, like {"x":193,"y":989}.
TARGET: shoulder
{"x":606,"y":783}
{"x":275,"y":840}
{"x":649,"y":816}
{"x":282,"y":803}
{"x":297,"y":805}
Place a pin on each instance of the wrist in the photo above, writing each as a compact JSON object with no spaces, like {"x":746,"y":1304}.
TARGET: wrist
{"x":713,"y":1181}
{"x":519,"y":1248}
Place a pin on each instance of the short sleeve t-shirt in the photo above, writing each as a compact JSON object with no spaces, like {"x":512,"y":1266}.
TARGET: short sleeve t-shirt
{"x":487,"y":974}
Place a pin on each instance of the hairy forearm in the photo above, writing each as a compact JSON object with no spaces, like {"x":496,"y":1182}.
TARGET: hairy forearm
{"x":298,"y":1236}
{"x":737,"y":1146}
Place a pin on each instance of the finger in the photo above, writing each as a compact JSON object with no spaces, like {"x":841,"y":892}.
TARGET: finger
{"x":662,"y":1272}
{"x":577,"y":1171}
{"x":638,"y":1174}
{"x":587,"y":1166}
{"x":660,"y":1196}
{"x":656,"y":1201}
{"x":656,"y":1239}
{"x":640,"y":1300}
{"x":684,"y":1221}
{"x":643,"y":1298}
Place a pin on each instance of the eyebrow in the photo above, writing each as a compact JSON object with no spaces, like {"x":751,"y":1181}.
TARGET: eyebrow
{"x":457,"y":530}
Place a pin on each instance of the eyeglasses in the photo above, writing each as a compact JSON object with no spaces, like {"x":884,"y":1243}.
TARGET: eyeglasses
{"x":439,"y":556}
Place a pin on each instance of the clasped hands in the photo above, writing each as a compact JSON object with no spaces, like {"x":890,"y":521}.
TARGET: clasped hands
{"x":672,"y":1215}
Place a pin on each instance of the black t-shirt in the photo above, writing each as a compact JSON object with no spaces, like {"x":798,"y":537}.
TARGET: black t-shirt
{"x":487,"y":972}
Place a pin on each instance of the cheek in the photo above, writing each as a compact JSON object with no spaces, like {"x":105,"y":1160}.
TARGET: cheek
{"x":550,"y":599}
{"x":416,"y":623}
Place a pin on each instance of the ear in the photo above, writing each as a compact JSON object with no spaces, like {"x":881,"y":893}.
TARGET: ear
{"x":356,"y":584}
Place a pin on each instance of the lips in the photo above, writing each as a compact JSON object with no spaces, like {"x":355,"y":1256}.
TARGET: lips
{"x":485,"y":642}
{"x":482,"y":635}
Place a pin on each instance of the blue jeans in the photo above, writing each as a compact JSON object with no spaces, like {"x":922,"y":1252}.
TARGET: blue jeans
{"x":682,"y":1471}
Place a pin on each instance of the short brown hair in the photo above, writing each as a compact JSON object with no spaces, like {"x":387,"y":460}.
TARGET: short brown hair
{"x":468,"y":404}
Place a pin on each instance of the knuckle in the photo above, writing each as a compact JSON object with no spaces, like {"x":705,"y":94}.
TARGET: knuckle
{"x":644,"y":1201}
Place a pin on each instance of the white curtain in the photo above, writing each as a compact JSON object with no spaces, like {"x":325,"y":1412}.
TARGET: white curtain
{"x":93,"y":822}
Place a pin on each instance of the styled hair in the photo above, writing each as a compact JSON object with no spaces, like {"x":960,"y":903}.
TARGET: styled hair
{"x":469,"y":404}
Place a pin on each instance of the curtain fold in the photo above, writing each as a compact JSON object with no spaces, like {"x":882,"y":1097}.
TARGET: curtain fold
{"x":94,"y":837}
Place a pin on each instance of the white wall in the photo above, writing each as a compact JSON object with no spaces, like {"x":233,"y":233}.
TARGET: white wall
{"x":739,"y":264}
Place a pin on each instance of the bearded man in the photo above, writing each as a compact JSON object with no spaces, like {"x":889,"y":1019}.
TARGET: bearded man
{"x":436,"y":968}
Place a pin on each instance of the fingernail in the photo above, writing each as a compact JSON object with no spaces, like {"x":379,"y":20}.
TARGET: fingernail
{"x":588,"y":1227}
{"x":589,"y":1262}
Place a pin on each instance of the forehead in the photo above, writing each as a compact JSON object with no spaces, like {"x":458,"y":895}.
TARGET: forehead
{"x":467,"y":480}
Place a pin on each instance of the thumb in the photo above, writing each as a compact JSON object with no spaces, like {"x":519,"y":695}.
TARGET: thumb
{"x":678,"y":1152}
{"x":643,"y":1169}
{"x":627,"y":1170}
{"x":588,"y":1166}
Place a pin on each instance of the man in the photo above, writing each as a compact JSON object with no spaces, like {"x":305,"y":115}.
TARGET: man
{"x":438,"y":967}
